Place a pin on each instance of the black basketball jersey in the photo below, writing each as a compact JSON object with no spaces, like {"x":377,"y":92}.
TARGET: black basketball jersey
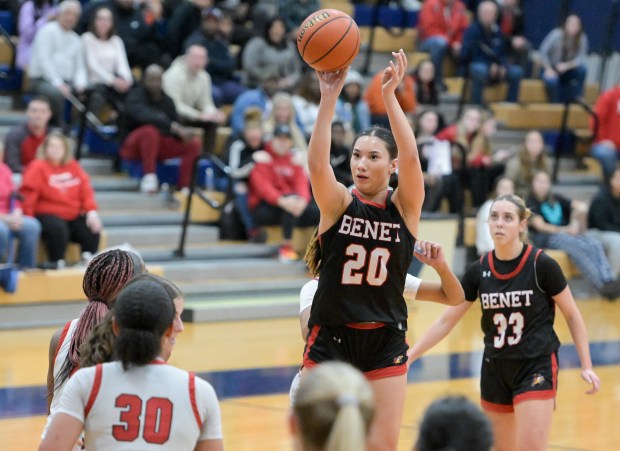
{"x":364,"y":260}
{"x":517,"y":315}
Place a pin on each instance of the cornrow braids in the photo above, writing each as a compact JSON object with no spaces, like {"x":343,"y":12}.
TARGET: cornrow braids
{"x":106,"y":274}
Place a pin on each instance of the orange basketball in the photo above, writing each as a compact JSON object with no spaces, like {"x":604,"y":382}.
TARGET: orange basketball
{"x":328,"y":40}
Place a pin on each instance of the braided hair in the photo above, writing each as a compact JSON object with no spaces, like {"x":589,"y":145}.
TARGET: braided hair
{"x":106,"y":274}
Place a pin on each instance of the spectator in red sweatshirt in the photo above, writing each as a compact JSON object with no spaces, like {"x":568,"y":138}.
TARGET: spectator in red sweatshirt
{"x":607,"y":141}
{"x":280,"y":191}
{"x":23,"y":140}
{"x":441,"y":26}
{"x":12,"y":221}
{"x":57,"y":191}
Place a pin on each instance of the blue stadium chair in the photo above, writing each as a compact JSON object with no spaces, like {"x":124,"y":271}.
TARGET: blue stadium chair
{"x":102,"y":142}
{"x":7,"y":22}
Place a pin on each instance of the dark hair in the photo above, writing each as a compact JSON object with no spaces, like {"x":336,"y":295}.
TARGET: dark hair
{"x":384,"y":135}
{"x":106,"y":274}
{"x":99,"y":347}
{"x":268,"y":25}
{"x":454,"y":423}
{"x":42,"y":99}
{"x":313,"y":254}
{"x":93,"y":18}
{"x":143,"y":311}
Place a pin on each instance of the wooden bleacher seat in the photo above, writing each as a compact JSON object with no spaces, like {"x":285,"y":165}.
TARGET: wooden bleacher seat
{"x":64,"y":285}
{"x":386,"y":42}
{"x":222,"y":135}
{"x":342,"y":5}
{"x":538,"y":116}
{"x":200,"y":211}
{"x":299,"y":241}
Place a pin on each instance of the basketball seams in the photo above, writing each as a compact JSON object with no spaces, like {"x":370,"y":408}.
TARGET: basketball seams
{"x":344,"y":35}
{"x":316,"y":30}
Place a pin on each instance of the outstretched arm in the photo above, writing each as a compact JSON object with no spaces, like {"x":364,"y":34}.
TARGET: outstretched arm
{"x":438,"y":330}
{"x":450,"y":290}
{"x":577,"y":327}
{"x":331,"y":196}
{"x":409,"y":195}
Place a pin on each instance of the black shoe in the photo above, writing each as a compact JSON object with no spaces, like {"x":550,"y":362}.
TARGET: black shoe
{"x":257,"y":236}
{"x":611,"y":290}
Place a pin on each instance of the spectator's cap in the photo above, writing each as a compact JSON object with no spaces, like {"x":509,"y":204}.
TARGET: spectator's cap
{"x":270,"y":73}
{"x":282,"y":130}
{"x":354,"y":76}
{"x":211,"y":13}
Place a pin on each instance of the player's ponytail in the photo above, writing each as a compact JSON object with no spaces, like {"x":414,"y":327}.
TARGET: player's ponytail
{"x":313,"y":254}
{"x":143,"y":312}
{"x":334,"y":408}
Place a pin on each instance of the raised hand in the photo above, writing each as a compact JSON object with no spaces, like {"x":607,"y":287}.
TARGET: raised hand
{"x":394,"y":73}
{"x":331,"y":83}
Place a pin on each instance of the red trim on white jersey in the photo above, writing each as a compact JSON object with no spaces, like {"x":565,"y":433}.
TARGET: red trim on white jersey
{"x":94,"y":390}
{"x":369,"y":202}
{"x":63,"y":336}
{"x":192,"y":399}
{"x":517,"y":269}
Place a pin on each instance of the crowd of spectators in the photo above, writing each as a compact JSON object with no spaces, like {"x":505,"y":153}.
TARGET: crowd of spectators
{"x":170,"y":74}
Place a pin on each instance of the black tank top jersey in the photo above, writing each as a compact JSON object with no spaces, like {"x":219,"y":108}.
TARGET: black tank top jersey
{"x":517,"y":308}
{"x":364,"y":260}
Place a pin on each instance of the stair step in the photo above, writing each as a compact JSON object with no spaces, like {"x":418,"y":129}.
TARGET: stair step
{"x":97,"y":166}
{"x":242,"y":287}
{"x":206,"y":252}
{"x":116,"y":182}
{"x":130,"y":218}
{"x":231,"y":269}
{"x":275,"y":306}
{"x":158,"y":234}
{"x":130,"y":201}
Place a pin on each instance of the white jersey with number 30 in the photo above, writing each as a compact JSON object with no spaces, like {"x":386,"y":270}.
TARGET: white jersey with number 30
{"x":156,"y":406}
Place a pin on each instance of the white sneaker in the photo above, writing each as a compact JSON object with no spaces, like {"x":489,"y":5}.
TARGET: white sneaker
{"x":149,"y":184}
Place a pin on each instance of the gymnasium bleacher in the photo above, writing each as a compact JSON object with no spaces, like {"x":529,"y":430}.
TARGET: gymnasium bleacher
{"x":223,"y":279}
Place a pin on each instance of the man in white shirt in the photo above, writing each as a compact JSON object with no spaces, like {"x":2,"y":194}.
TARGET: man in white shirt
{"x":57,"y":63}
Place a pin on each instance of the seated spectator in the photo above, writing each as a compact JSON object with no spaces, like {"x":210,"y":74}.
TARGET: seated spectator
{"x":333,"y":409}
{"x":33,"y":14}
{"x":559,"y":223}
{"x":473,"y":132}
{"x":441,"y":25}
{"x":606,"y":147}
{"x":139,"y":37}
{"x":424,"y":78}
{"x":189,"y":86}
{"x":185,"y":20}
{"x":280,"y":192}
{"x":241,"y":160}
{"x":604,"y":219}
{"x":13,"y":222}
{"x":440,"y":182}
{"x":272,"y":49}
{"x":511,"y":24}
{"x":155,"y":133}
{"x":528,"y":161}
{"x":259,"y":97}
{"x":293,"y":13}
{"x":339,"y":154}
{"x":484,"y":55}
{"x":351,"y":108}
{"x":484,"y":241}
{"x":454,"y":423}
{"x":405,"y":94}
{"x":109,"y":75}
{"x":23,"y":140}
{"x":283,"y":113}
{"x":563,"y":53}
{"x":221,"y":65}
{"x":57,"y":191}
{"x":306,"y":100}
{"x":57,"y":63}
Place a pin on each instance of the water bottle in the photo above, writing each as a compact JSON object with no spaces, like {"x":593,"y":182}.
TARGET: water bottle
{"x":209,"y":179}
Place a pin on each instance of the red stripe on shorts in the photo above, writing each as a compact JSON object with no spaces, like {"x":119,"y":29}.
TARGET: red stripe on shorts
{"x":389,"y":371}
{"x":494,"y":407}
{"x":366,"y":326}
{"x":543,"y":394}
{"x":311,"y":339}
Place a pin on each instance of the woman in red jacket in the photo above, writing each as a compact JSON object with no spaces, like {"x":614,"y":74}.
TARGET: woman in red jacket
{"x":58,"y":193}
{"x":279,"y":191}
